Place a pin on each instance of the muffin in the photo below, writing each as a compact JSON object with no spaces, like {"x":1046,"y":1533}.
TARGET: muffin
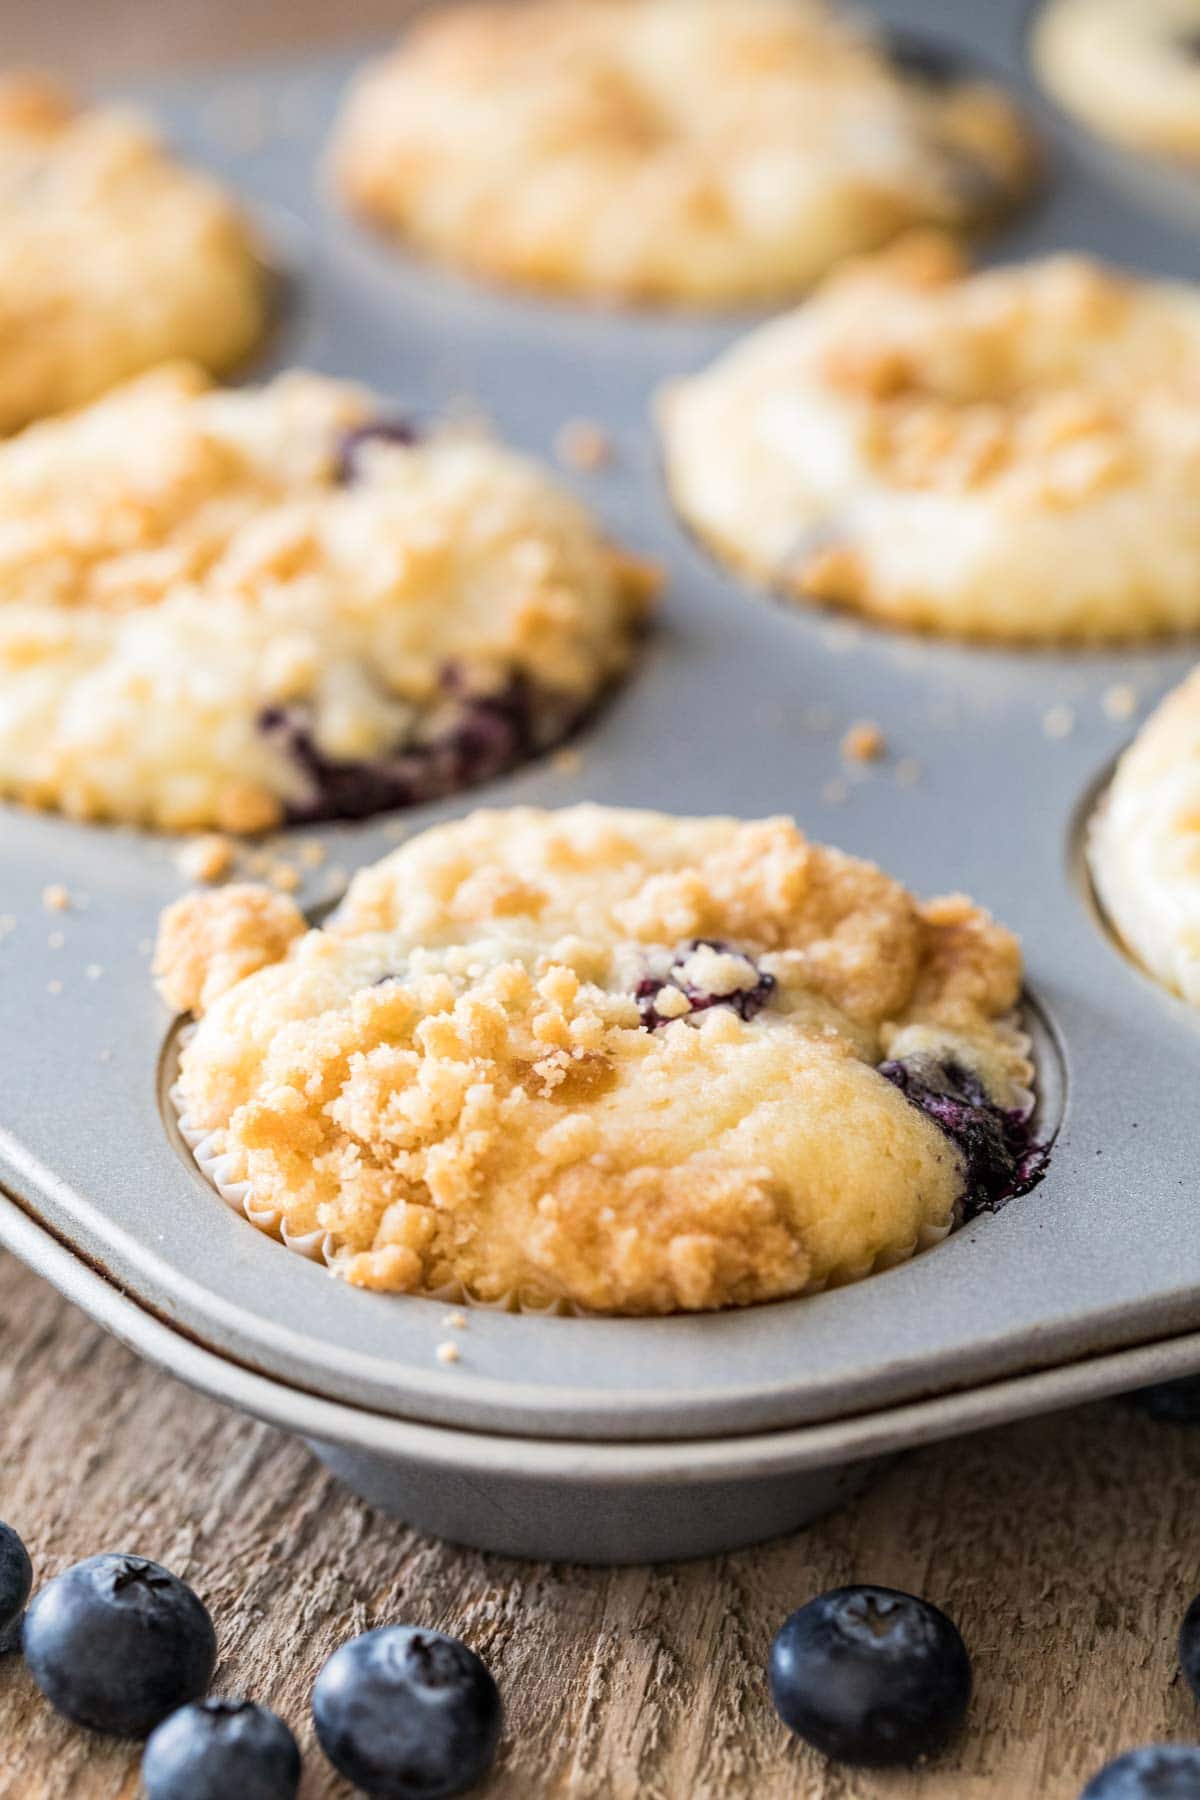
{"x":1011,"y":455}
{"x":709,"y":153}
{"x":240,"y":609}
{"x":608,"y":1060}
{"x":1128,"y":69}
{"x":1144,"y":845}
{"x":113,"y":256}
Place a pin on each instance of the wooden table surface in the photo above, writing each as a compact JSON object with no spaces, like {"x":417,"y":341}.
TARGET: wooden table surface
{"x":1067,"y":1549}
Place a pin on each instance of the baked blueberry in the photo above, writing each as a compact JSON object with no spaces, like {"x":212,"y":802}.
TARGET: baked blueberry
{"x":694,"y":981}
{"x":407,"y":1714}
{"x":869,"y":1675}
{"x":1159,"y":1772}
{"x":385,"y":431}
{"x":16,"y":1579}
{"x":922,"y":59}
{"x":476,"y":737}
{"x":117,"y":1642}
{"x":1171,"y":1402}
{"x":1002,"y":1156}
{"x":219,"y":1749}
{"x":1189,"y":1646}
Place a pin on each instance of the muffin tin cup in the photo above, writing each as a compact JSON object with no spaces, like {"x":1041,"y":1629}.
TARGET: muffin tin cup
{"x":686,"y":1433}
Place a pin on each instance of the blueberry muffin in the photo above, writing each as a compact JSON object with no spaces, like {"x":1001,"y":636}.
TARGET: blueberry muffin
{"x":700,"y":152}
{"x":246,"y":608}
{"x":112,"y":256}
{"x":1013,"y":454}
{"x":614,"y":1060}
{"x":1128,"y":69}
{"x":1145,"y":843}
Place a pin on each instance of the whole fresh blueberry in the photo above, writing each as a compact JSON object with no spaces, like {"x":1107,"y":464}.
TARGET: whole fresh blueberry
{"x":871,"y":1676}
{"x":117,"y":1643}
{"x":407,"y":1714}
{"x":1189,"y":1646}
{"x":1171,"y":1402}
{"x":1160,"y":1772}
{"x":219,"y":1749}
{"x":16,"y":1579}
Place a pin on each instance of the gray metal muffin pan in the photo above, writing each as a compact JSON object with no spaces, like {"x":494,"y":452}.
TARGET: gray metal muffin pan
{"x":629,"y":1439}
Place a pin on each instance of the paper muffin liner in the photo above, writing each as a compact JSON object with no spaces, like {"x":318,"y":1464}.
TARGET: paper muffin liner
{"x":219,"y":1169}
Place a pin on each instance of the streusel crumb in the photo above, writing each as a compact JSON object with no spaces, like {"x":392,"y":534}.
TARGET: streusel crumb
{"x":230,"y":609}
{"x":206,"y":858}
{"x":113,"y":256}
{"x":709,"y":152}
{"x":209,"y":940}
{"x":1007,"y":453}
{"x":864,"y":743}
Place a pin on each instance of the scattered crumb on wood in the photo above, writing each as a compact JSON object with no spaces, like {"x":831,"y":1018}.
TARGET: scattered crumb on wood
{"x":582,"y":444}
{"x":448,"y":1352}
{"x":205,"y":858}
{"x":864,"y":742}
{"x":455,"y":1321}
{"x":1120,"y":700}
{"x":1059,"y":721}
{"x":55,"y":897}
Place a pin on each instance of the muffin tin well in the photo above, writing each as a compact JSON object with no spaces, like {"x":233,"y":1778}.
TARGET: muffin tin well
{"x":736,"y":704}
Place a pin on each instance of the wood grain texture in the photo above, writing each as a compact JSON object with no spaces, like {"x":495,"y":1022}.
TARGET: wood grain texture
{"x":88,"y":41}
{"x":1067,"y":1549}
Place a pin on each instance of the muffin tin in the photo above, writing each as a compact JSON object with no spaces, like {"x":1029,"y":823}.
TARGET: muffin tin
{"x":630,"y":1439}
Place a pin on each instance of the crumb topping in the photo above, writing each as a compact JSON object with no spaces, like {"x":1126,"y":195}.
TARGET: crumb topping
{"x":207,"y":622}
{"x":207,"y":941}
{"x":703,"y":151}
{"x":113,"y":257}
{"x":1011,"y":453}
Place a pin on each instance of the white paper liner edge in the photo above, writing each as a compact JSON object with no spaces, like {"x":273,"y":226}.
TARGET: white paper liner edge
{"x":318,"y":1246}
